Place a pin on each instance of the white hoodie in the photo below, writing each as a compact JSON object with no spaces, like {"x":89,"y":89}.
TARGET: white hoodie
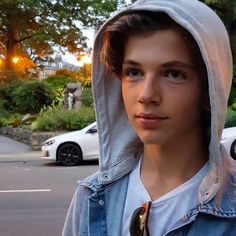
{"x":118,"y":141}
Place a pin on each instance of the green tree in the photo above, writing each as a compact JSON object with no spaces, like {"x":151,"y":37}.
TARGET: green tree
{"x":32,"y":27}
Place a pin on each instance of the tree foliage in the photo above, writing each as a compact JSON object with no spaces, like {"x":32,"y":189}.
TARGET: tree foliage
{"x":34,"y":27}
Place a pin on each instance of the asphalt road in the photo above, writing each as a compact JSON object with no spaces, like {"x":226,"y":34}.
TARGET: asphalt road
{"x":34,"y":194}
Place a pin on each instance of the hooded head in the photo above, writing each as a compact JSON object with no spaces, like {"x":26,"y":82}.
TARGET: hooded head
{"x":207,"y":40}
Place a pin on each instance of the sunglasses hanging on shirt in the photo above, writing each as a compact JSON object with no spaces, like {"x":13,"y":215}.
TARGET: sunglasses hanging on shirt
{"x":139,"y":221}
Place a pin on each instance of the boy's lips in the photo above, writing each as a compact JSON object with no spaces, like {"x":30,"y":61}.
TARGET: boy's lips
{"x":150,"y":116}
{"x":149,"y":120}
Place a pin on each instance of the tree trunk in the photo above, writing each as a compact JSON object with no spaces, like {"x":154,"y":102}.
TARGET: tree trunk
{"x":10,"y":47}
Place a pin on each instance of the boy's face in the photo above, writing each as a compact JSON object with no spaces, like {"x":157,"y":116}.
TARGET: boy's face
{"x":161,"y":88}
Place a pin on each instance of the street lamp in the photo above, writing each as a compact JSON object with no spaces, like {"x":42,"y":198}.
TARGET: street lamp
{"x":15,"y":60}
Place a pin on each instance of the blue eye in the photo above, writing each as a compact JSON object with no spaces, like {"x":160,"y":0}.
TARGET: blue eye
{"x":132,"y":72}
{"x":175,"y":75}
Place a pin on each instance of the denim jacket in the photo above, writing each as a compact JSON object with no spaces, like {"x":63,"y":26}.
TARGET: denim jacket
{"x":97,"y":210}
{"x":97,"y":206}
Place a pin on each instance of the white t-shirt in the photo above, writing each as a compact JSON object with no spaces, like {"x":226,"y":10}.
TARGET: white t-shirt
{"x":166,"y":210}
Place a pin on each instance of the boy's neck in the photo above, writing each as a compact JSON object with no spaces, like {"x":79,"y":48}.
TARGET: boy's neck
{"x":164,"y":168}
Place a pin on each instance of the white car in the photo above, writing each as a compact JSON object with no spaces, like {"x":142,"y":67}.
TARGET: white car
{"x":228,"y":139}
{"x":73,"y":147}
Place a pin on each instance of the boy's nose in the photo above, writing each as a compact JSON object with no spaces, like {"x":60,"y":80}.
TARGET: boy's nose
{"x":150,"y":91}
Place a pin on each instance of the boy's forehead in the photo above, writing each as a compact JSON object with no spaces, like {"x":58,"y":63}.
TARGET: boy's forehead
{"x":165,"y":45}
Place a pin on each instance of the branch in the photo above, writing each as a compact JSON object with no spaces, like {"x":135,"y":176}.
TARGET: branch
{"x":24,"y":38}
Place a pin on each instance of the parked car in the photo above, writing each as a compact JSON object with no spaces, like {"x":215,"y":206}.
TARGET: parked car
{"x":228,"y":139}
{"x":73,"y":147}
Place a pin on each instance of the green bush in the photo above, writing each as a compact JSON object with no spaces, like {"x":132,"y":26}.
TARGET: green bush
{"x":78,"y":119}
{"x":28,"y":96}
{"x":233,"y":108}
{"x":3,"y":118}
{"x":232,"y":96}
{"x":57,"y":118}
{"x":231,"y":117}
{"x":3,"y":111}
{"x":6,"y":95}
{"x":87,"y":97}
{"x":13,"y":120}
{"x":58,"y":81}
{"x":3,"y":121}
{"x":31,"y":96}
{"x":22,"y":97}
{"x":58,"y":98}
{"x":6,"y":117}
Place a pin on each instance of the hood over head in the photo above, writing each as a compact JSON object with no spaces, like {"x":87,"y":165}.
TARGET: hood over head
{"x":119,"y":144}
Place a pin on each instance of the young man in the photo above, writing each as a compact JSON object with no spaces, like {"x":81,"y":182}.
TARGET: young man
{"x":162,"y":72}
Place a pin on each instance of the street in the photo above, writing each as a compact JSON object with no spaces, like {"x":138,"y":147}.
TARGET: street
{"x":34,"y":194}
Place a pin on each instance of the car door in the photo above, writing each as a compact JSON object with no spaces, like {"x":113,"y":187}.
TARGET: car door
{"x":91,"y":143}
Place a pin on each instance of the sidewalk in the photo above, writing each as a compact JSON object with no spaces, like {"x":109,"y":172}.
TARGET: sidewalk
{"x":11,"y":150}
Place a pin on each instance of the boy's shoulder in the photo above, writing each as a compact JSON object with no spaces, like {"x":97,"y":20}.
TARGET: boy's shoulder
{"x":224,"y":203}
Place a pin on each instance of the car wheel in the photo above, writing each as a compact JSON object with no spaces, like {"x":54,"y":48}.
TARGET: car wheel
{"x":233,"y":150}
{"x":69,"y":154}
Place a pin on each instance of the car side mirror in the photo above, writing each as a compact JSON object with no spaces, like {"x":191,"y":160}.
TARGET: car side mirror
{"x":92,"y":131}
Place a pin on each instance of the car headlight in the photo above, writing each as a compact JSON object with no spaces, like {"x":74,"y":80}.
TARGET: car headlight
{"x":49,"y":142}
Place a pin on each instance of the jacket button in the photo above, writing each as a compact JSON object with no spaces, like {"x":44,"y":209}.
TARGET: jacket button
{"x":105,"y":176}
{"x":101,"y":202}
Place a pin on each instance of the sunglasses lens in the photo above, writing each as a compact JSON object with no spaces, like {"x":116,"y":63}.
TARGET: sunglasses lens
{"x":138,"y":223}
{"x":136,"y":226}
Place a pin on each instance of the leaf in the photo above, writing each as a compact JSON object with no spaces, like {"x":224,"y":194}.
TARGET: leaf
{"x":40,"y":25}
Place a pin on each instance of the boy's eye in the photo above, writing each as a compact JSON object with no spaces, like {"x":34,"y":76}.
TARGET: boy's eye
{"x":132,"y":72}
{"x":174,"y":75}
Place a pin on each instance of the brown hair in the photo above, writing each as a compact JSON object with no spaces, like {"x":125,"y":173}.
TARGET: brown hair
{"x":117,"y":33}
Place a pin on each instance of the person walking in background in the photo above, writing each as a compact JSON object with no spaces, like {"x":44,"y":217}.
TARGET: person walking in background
{"x":162,"y":72}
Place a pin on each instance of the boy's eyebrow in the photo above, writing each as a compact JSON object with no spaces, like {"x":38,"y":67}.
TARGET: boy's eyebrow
{"x":131,"y":62}
{"x":167,"y":64}
{"x":179,"y":64}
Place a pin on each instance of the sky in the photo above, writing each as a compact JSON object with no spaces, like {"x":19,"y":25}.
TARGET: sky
{"x":90,"y":35}
{"x":70,"y":57}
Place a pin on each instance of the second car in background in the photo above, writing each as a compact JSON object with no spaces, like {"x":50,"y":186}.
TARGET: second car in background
{"x":73,"y":147}
{"x":228,"y":139}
